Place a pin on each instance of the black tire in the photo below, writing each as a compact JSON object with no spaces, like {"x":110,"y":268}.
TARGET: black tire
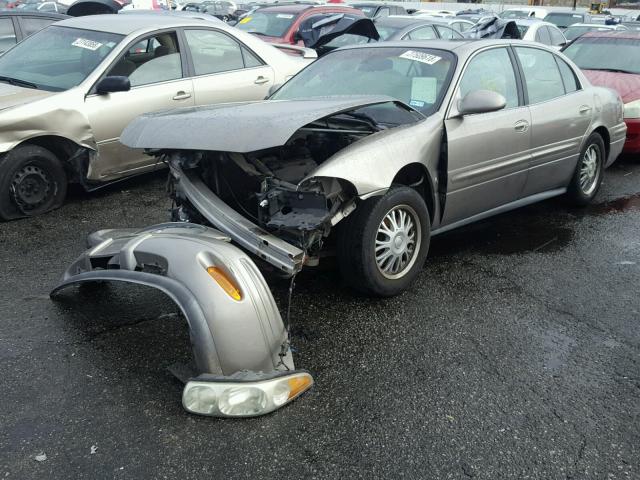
{"x":32,"y":182}
{"x":357,"y":236}
{"x":578,"y":193}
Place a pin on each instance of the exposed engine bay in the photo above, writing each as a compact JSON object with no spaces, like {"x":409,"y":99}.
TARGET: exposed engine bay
{"x":275,"y":187}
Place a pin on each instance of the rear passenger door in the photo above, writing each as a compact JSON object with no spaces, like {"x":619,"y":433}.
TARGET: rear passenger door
{"x":488,"y":153}
{"x":224,"y":70}
{"x":560,"y":116}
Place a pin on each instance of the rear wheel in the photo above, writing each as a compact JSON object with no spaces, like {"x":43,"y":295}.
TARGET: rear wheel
{"x":383,"y":244}
{"x":587,"y":177}
{"x":32,"y":182}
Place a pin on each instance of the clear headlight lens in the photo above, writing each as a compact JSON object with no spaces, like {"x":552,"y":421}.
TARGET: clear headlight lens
{"x":246,"y":395}
{"x":632,"y":109}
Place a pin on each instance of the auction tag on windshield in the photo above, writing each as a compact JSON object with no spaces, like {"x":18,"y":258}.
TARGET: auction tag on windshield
{"x":423,"y":90}
{"x":420,"y":57}
{"x":245,"y":20}
{"x":88,"y":44}
{"x":284,"y":15}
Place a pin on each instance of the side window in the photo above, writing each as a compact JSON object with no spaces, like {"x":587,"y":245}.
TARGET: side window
{"x":383,"y":12}
{"x":557,"y":38}
{"x":541,"y":74}
{"x":447,"y":33}
{"x":152,"y":60}
{"x":568,"y":77}
{"x":542,"y":36}
{"x":491,"y":70}
{"x":250,"y":60}
{"x":422,"y":33}
{"x":31,"y":25}
{"x":7,"y":34}
{"x":213,"y":52}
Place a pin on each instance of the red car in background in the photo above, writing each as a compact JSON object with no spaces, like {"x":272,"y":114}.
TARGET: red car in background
{"x":280,"y":24}
{"x":612,"y":59}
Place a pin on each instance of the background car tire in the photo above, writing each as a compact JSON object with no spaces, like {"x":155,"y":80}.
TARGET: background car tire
{"x":32,"y":182}
{"x":578,"y":193}
{"x":360,"y":232}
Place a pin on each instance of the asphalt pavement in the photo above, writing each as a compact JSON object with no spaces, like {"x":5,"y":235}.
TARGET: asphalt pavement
{"x":516,"y":355}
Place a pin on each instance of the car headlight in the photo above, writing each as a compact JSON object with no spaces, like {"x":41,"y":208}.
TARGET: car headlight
{"x":632,"y":109}
{"x":247,"y":394}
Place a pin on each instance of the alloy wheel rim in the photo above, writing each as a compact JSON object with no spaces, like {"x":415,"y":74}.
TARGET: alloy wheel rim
{"x":589,"y":170}
{"x":30,"y":187}
{"x":398,"y":241}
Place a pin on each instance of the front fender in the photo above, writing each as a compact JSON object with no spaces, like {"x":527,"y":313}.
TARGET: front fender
{"x":227,"y":335}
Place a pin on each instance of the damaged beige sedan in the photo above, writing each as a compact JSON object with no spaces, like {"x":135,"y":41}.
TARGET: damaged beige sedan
{"x":67,"y":92}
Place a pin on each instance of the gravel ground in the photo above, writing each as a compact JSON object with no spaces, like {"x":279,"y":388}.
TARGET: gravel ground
{"x":515,"y":355}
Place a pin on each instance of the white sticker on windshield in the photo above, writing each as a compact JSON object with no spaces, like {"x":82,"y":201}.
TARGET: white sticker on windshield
{"x":284,"y":15}
{"x":88,"y":44}
{"x":420,"y":57}
{"x":423,"y":90}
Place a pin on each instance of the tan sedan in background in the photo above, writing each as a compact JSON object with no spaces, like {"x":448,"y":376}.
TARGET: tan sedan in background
{"x":67,"y":93}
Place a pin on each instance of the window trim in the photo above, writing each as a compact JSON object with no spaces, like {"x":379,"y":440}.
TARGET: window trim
{"x":241,"y":45}
{"x":92,"y":91}
{"x":516,"y":72}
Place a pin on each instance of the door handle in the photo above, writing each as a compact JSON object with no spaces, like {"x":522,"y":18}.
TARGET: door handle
{"x":584,"y":109}
{"x":260,"y":80}
{"x":521,"y":126}
{"x":181,"y":95}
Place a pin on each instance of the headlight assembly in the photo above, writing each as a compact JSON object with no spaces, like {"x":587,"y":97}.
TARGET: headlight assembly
{"x":246,"y":394}
{"x":632,"y":109}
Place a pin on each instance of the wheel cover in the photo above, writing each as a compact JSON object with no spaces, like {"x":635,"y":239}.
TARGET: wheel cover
{"x":590,"y":170}
{"x":398,"y":241}
{"x":31,"y":188}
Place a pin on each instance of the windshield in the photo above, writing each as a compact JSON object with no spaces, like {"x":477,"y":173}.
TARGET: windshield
{"x":386,"y":31}
{"x":563,"y":20}
{"x":598,"y":53}
{"x":418,"y":77}
{"x":272,"y":24}
{"x":57,"y":58}
{"x":572,"y":33}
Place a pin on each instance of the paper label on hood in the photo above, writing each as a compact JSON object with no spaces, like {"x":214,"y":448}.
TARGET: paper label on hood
{"x":88,"y":44}
{"x":427,"y":58}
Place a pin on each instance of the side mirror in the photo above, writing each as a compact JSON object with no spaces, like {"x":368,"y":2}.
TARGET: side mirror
{"x":481,"y":101}
{"x":113,"y":84}
{"x":273,"y":89}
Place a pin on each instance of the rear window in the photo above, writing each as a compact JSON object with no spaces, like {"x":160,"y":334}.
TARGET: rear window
{"x":271,"y":24}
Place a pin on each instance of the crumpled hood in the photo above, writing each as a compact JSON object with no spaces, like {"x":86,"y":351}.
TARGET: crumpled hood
{"x":236,"y":127}
{"x":626,"y":84}
{"x":12,"y":96}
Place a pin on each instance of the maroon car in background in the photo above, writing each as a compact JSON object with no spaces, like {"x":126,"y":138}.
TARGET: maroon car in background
{"x":280,"y":24}
{"x":612,"y":59}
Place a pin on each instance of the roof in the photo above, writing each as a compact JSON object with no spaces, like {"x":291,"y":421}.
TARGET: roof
{"x":530,"y":21}
{"x":400,"y":21}
{"x":300,"y":7}
{"x":629,"y":34}
{"x":129,"y":23}
{"x":32,"y":13}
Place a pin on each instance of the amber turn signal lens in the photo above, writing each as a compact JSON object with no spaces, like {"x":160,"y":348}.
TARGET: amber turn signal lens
{"x":225,"y":282}
{"x":297,"y":385}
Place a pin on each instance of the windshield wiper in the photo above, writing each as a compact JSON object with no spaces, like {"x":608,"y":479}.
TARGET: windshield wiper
{"x":614,"y":70}
{"x":19,"y":83}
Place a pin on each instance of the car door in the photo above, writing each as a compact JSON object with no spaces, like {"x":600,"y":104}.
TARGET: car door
{"x":224,"y":70}
{"x":155,"y":66}
{"x":560,"y":115}
{"x":488,"y":153}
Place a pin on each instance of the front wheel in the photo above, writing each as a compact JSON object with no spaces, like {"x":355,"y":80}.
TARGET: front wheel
{"x":587,"y":177}
{"x":32,"y":182}
{"x":383,"y":244}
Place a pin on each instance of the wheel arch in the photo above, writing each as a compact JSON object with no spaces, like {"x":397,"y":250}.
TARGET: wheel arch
{"x":416,"y":175}
{"x":606,"y":138}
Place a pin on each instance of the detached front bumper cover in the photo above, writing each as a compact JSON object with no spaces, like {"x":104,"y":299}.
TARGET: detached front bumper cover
{"x":235,"y":327}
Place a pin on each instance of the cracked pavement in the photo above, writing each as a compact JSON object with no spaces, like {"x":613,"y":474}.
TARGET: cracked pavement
{"x":516,"y":355}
